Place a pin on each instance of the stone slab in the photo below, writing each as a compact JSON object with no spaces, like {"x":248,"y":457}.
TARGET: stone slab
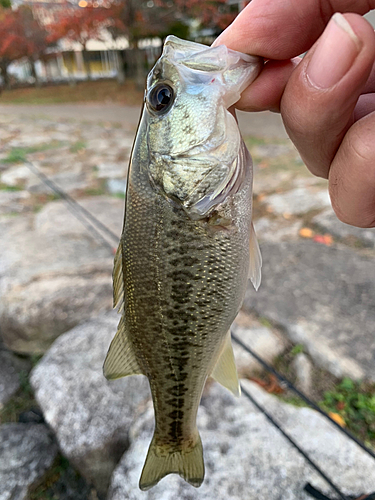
{"x":323,"y":297}
{"x":298,"y":201}
{"x":328,"y":222}
{"x":247,"y":458}
{"x":26,"y":452}
{"x":90,"y":416}
{"x":53,"y":273}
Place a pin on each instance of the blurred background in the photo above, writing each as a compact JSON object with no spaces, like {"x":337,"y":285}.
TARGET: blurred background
{"x":72,"y":86}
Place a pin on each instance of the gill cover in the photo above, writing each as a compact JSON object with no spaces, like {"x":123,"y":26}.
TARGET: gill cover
{"x":196,"y":154}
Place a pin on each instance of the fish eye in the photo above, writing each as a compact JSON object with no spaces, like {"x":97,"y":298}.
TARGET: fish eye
{"x":160,"y":98}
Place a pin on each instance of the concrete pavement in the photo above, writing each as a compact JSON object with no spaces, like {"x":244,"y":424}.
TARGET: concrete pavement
{"x":263,"y":124}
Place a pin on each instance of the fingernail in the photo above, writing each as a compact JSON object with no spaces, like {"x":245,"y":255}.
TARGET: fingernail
{"x":335,"y":53}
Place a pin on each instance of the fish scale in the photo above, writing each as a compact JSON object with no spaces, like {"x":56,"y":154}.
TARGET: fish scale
{"x":180,"y":275}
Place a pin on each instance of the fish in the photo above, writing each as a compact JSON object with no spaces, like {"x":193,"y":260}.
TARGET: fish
{"x":187,"y":248}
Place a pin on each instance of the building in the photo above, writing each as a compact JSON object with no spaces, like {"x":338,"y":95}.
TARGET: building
{"x":65,"y":62}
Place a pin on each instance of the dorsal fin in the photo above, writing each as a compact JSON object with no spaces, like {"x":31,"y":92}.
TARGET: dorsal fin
{"x":225,"y":371}
{"x":120,"y":360}
{"x":118,"y":280}
{"x":255,"y":268}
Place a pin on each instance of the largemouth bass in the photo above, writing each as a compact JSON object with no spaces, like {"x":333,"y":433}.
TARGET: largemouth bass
{"x":187,"y":247}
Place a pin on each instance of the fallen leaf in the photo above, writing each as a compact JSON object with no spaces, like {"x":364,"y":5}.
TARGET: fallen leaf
{"x":337,"y":418}
{"x":328,"y":239}
{"x":324,"y":239}
{"x":340,"y":405}
{"x":306,"y":232}
{"x":271,"y":385}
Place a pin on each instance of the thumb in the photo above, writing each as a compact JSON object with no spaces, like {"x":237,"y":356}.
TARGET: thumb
{"x":320,"y":97}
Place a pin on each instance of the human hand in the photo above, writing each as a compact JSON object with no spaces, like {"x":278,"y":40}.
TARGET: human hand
{"x":326,"y":99}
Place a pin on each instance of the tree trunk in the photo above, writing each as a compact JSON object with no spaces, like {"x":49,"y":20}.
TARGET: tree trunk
{"x":139,"y":68}
{"x":121,"y":68}
{"x":34,"y":74}
{"x":4,"y":74}
{"x":86,"y":63}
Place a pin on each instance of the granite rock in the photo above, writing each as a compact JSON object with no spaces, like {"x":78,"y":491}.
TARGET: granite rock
{"x":53,"y":273}
{"x":10,"y":369}
{"x":328,"y":222}
{"x":276,"y":230}
{"x":16,"y":175}
{"x":323,"y":297}
{"x":298,"y":201}
{"x":26,"y":452}
{"x":303,"y":369}
{"x":89,"y":415}
{"x":11,"y":202}
{"x":261,"y":339}
{"x":246,"y":457}
{"x":67,"y":181}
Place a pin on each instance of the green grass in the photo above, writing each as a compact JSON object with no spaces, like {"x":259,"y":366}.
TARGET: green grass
{"x":96,"y":91}
{"x":78,"y":146}
{"x":54,"y":473}
{"x":293,"y":400}
{"x":252,"y":140}
{"x":122,"y":196}
{"x":297,"y":349}
{"x":16,"y":155}
{"x":5,"y":187}
{"x":60,"y":479}
{"x":95,"y":191}
{"x":355,"y":403}
{"x":19,"y":155}
{"x":265,"y":322}
{"x":22,"y":401}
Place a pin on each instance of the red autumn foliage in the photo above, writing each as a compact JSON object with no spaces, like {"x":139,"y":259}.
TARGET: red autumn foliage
{"x":21,"y":35}
{"x":139,"y":19}
{"x":79,"y":24}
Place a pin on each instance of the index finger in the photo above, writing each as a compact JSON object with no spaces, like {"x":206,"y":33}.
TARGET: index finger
{"x":283,"y":29}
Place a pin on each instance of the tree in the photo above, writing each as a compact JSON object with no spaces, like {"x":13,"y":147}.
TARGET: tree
{"x":13,"y":44}
{"x":6,"y":4}
{"x":80,"y":25}
{"x":21,"y":36}
{"x":139,"y":19}
{"x":36,"y":38}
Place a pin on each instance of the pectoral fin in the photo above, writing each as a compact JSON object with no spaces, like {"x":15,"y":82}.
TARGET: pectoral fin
{"x":120,"y":360}
{"x":225,"y":371}
{"x":255,"y":273}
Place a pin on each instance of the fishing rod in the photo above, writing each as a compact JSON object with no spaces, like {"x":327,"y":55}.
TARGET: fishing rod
{"x":293,"y":443}
{"x":77,"y":208}
{"x":303,"y":396}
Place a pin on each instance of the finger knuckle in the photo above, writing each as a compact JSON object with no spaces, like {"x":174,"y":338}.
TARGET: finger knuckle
{"x":362,"y":146}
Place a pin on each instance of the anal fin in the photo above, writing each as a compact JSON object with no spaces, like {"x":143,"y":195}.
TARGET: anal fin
{"x":255,"y":273}
{"x":225,"y":371}
{"x":120,"y":360}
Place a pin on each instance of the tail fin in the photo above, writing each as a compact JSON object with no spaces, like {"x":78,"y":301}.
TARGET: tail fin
{"x":188,"y":464}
